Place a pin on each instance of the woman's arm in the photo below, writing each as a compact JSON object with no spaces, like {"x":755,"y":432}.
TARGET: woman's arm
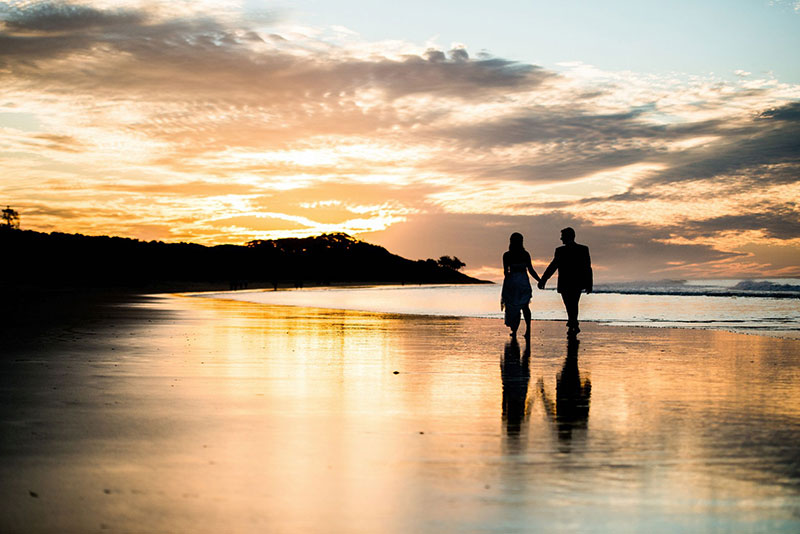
{"x":532,"y":270}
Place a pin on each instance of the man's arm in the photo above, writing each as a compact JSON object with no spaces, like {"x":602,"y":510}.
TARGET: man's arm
{"x":549,"y":271}
{"x":589,"y":276}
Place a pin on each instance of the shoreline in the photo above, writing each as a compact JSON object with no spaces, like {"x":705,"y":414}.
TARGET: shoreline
{"x":32,"y":312}
{"x":762,"y":331}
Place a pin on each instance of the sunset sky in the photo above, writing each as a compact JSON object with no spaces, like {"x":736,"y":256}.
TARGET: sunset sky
{"x":666,"y":133}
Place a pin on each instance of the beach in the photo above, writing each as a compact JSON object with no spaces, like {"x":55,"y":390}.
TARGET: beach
{"x":183,"y":414}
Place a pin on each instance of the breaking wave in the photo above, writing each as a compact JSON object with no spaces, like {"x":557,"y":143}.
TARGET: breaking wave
{"x":711,"y":288}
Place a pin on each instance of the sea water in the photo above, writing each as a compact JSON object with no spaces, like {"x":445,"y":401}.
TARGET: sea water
{"x":767,"y":307}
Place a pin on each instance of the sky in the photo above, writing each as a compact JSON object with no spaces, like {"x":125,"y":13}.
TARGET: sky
{"x":666,"y":133}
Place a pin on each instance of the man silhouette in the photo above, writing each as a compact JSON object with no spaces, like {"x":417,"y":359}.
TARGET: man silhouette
{"x":574,"y":275}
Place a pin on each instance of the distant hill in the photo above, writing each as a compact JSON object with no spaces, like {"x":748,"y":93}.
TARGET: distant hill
{"x":75,"y":260}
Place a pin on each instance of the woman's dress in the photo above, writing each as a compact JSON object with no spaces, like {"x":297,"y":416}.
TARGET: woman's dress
{"x":516,"y":294}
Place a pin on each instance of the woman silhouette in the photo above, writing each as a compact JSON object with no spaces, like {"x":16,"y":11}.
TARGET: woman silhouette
{"x":516,"y":287}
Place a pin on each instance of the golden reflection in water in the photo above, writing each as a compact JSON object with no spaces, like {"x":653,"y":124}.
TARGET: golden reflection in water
{"x":239,"y":417}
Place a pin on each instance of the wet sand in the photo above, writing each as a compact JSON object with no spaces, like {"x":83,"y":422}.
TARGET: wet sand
{"x":179,"y":414}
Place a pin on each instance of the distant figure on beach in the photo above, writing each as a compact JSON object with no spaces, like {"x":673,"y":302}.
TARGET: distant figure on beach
{"x":516,"y":295}
{"x":574,"y":275}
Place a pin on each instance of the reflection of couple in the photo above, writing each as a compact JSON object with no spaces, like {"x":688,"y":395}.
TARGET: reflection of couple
{"x":569,"y":410}
{"x":574,"y":275}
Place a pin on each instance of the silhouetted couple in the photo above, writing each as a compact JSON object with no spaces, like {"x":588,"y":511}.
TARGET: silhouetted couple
{"x":574,"y":268}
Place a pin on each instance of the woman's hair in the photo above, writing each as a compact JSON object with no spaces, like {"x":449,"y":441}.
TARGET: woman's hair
{"x":515,"y":242}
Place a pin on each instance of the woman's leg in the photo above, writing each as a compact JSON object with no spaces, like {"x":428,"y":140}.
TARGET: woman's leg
{"x":512,"y":319}
{"x":526,"y":312}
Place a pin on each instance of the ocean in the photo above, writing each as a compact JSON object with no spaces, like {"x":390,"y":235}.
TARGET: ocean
{"x":764,"y":307}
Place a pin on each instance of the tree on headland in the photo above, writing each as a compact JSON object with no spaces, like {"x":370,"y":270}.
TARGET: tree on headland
{"x":10,"y":218}
{"x":451,"y":263}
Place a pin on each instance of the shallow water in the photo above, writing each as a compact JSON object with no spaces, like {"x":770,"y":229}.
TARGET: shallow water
{"x":752,"y":314}
{"x":221,"y":416}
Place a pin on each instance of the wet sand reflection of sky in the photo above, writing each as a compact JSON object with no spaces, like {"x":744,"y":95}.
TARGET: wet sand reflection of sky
{"x":233,"y":416}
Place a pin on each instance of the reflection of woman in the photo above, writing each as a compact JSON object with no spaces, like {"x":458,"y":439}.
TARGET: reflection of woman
{"x":515,"y":373}
{"x":516,"y":287}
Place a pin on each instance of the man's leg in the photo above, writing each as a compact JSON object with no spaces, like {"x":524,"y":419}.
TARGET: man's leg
{"x":571,"y":299}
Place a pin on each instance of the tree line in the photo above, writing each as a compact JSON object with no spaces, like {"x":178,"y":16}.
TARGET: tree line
{"x":60,"y":259}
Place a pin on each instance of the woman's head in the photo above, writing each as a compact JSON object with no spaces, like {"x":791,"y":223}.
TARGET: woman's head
{"x":515,"y":241}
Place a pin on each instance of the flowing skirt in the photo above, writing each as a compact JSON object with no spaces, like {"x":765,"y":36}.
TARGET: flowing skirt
{"x":516,"y":295}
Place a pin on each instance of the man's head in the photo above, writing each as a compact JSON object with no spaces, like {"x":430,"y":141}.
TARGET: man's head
{"x":567,"y":235}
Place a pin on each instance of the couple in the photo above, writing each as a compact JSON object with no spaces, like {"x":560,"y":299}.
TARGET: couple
{"x":574,"y":274}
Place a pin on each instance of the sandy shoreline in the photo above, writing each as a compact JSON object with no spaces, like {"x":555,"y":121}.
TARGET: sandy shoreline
{"x":175,"y":414}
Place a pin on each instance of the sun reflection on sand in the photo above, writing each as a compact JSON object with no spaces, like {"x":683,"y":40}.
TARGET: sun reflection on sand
{"x":230,"y":416}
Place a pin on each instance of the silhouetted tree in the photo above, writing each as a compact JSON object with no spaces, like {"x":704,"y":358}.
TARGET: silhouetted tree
{"x":451,"y":263}
{"x":10,"y":217}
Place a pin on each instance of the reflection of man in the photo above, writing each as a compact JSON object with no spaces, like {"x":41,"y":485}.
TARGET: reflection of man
{"x":570,"y":411}
{"x":574,"y":275}
{"x":572,"y":394}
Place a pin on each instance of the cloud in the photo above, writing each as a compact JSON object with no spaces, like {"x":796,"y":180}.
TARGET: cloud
{"x":53,"y":17}
{"x":184,"y":189}
{"x":591,"y":143}
{"x":65,"y":143}
{"x":546,"y":124}
{"x":794,"y":4}
{"x":341,"y":194}
{"x":762,"y":148}
{"x":459,"y":54}
{"x":569,"y":166}
{"x":258,"y":223}
{"x":777,"y":221}
{"x":789,"y":112}
{"x":204,"y":57}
